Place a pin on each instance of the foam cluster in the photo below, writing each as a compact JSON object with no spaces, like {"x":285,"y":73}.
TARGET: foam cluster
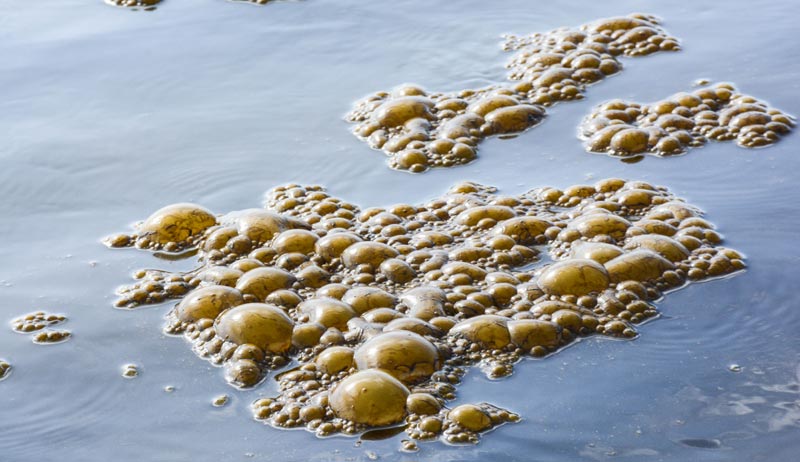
{"x":146,"y":5}
{"x":373,"y":316}
{"x":419,"y":130}
{"x":149,"y":5}
{"x":39,"y":324}
{"x":682,"y":121}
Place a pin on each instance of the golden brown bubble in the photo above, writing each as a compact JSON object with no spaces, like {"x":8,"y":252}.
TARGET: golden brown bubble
{"x":5,"y":369}
{"x":420,"y":130}
{"x":683,"y":121}
{"x":369,"y":348}
{"x":371,"y":397}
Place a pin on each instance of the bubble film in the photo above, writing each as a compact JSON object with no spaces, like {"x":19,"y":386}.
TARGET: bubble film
{"x":419,"y":129}
{"x":371,"y":317}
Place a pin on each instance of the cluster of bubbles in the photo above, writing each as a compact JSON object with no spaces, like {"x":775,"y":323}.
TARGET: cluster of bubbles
{"x":419,"y":130}
{"x":145,"y":5}
{"x":684,"y":120}
{"x":373,"y":316}
{"x":149,"y":5}
{"x":38,"y":324}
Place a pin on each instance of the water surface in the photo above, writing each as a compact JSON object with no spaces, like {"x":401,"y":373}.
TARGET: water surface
{"x":107,"y":115}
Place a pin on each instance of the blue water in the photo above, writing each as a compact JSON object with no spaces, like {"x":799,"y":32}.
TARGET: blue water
{"x":107,"y":115}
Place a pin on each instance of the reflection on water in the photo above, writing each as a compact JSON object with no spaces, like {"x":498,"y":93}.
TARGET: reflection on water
{"x":768,"y":407}
{"x":106,"y":116}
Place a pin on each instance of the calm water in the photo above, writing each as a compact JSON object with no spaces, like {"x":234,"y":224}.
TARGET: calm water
{"x":107,"y":115}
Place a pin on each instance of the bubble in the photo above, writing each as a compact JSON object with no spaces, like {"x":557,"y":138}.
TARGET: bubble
{"x":597,"y":251}
{"x":261,"y":282}
{"x":424,"y":404}
{"x":470,"y":417}
{"x":530,"y":333}
{"x":265,"y":326}
{"x":523,"y":230}
{"x":639,"y":265}
{"x":574,"y":277}
{"x":331,"y":246}
{"x":489,"y":331}
{"x":335,"y":359}
{"x":328,"y":311}
{"x":220,"y":401}
{"x":295,"y":240}
{"x":405,"y":355}
{"x":367,"y":253}
{"x":370,"y":397}
{"x":365,"y":299}
{"x":668,"y":248}
{"x":177,"y":223}
{"x":207,"y":302}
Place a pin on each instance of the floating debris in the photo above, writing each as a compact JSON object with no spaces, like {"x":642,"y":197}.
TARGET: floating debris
{"x":220,"y":401}
{"x":419,"y":130}
{"x":130,"y":371}
{"x":385,"y":309}
{"x":684,"y":120}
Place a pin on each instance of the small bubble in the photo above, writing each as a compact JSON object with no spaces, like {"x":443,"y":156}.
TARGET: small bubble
{"x":130,"y":371}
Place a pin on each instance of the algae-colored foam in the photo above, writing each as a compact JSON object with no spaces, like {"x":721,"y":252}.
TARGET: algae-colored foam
{"x":384,"y":309}
{"x":419,"y":130}
{"x":40,"y":324}
{"x":683,"y":121}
